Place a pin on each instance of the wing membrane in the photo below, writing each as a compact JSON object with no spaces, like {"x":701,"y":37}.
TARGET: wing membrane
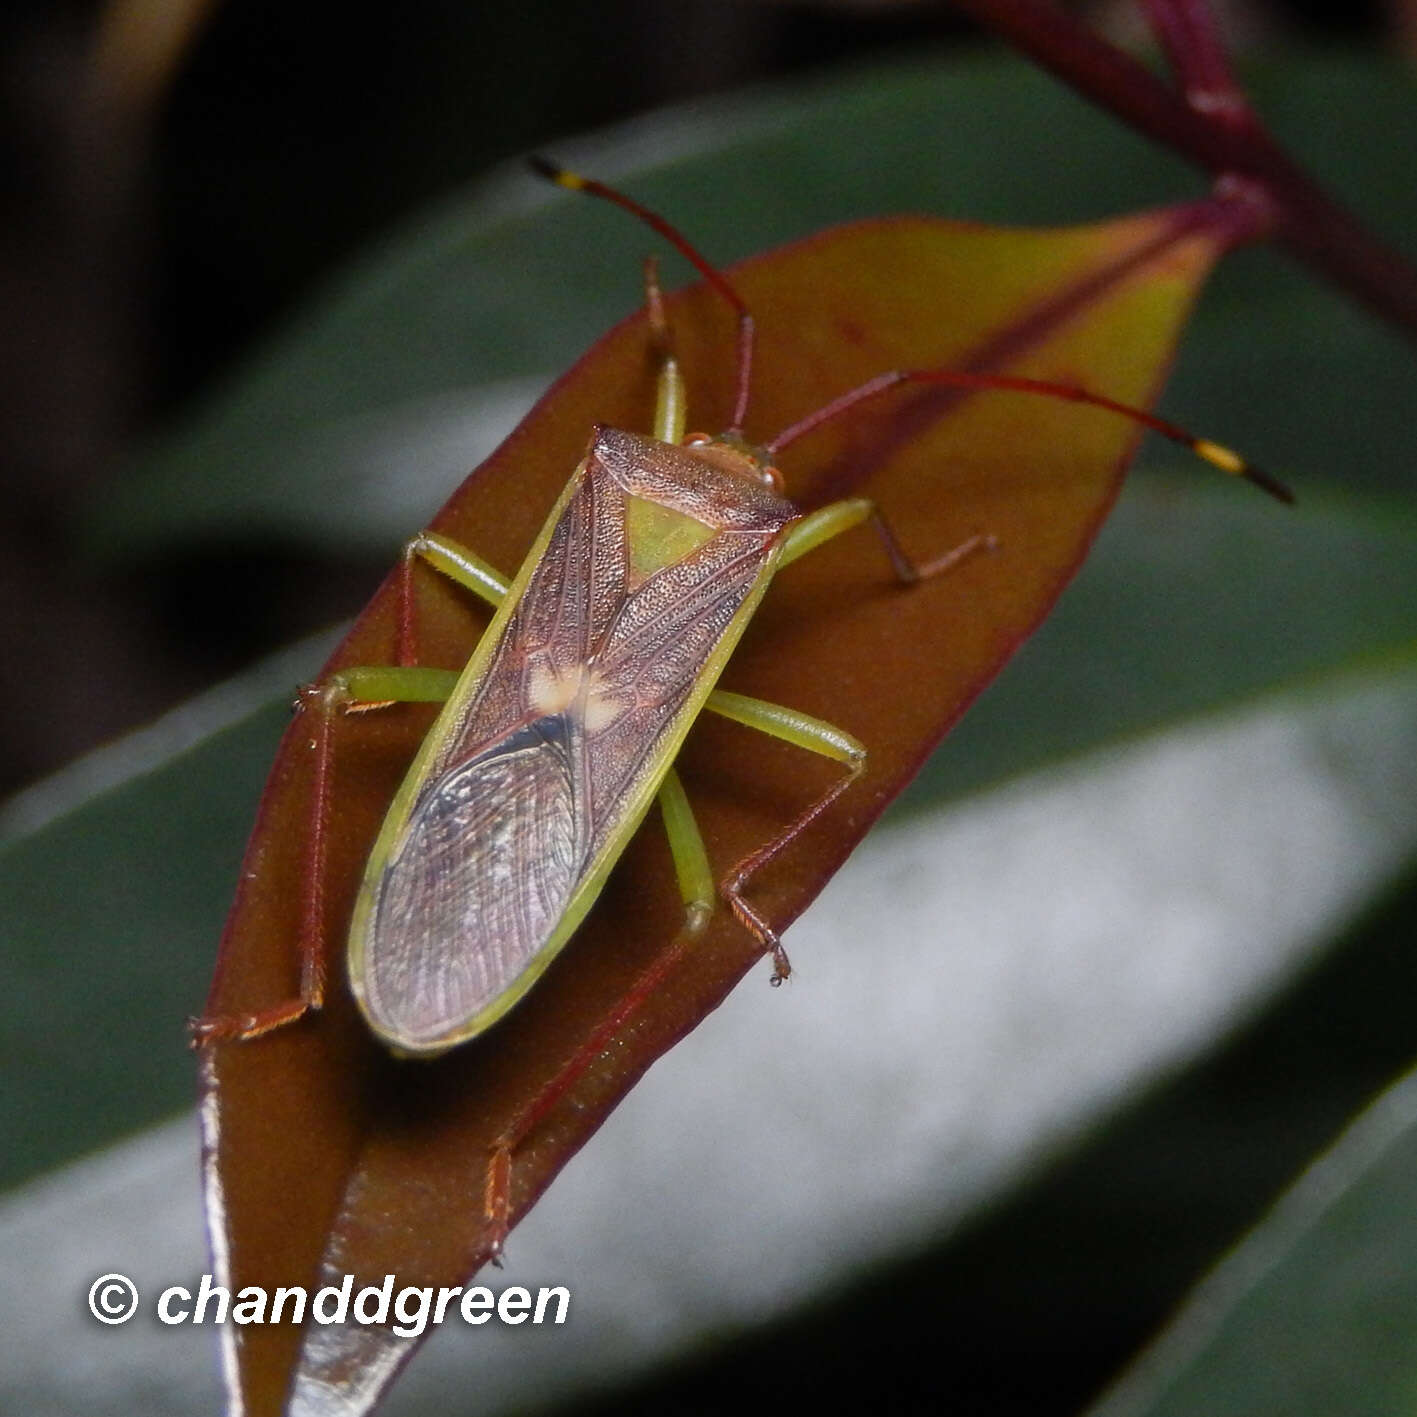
{"x":479,"y":878}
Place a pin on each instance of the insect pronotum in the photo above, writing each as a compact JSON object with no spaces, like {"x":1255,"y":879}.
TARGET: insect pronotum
{"x":561,"y":731}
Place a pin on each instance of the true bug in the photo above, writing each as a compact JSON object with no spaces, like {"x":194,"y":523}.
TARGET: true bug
{"x":561,"y":730}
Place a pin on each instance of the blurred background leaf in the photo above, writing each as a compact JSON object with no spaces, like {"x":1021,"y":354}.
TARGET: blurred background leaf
{"x":1335,"y":1259}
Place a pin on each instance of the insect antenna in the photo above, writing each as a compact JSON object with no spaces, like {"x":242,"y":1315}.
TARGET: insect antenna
{"x":574,"y":182}
{"x":1216,"y":454}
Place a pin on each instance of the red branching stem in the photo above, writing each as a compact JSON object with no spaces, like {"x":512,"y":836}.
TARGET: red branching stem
{"x":1309,"y":223}
{"x":1187,"y":31}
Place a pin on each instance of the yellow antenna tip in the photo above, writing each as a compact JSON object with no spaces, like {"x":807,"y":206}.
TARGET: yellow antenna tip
{"x":1226,"y":459}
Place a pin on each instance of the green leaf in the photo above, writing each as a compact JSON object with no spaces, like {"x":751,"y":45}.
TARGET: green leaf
{"x":116,"y":875}
{"x":1314,"y":1311}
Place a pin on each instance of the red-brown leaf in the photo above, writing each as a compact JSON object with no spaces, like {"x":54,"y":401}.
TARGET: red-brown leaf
{"x":325,"y":1155}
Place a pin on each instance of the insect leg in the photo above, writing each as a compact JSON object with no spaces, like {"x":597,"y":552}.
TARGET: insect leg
{"x":836,"y":517}
{"x":670,"y":398}
{"x":354,"y":690}
{"x":456,"y":562}
{"x":700,"y":894}
{"x":691,"y":863}
{"x":804,"y":731}
{"x":496,"y":1191}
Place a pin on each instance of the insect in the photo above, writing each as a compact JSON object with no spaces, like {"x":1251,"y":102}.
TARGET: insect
{"x":560,"y":733}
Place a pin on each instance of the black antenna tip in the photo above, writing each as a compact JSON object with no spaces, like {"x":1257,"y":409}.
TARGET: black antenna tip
{"x":1280,"y":491}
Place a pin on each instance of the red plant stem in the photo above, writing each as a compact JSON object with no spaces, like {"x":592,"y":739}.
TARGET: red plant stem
{"x":1187,"y":31}
{"x":1307,"y":222}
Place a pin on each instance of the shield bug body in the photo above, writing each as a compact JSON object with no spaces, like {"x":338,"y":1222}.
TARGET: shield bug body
{"x":561,"y":731}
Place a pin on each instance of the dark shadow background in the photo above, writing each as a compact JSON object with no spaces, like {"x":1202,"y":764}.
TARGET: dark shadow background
{"x":147,"y":243}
